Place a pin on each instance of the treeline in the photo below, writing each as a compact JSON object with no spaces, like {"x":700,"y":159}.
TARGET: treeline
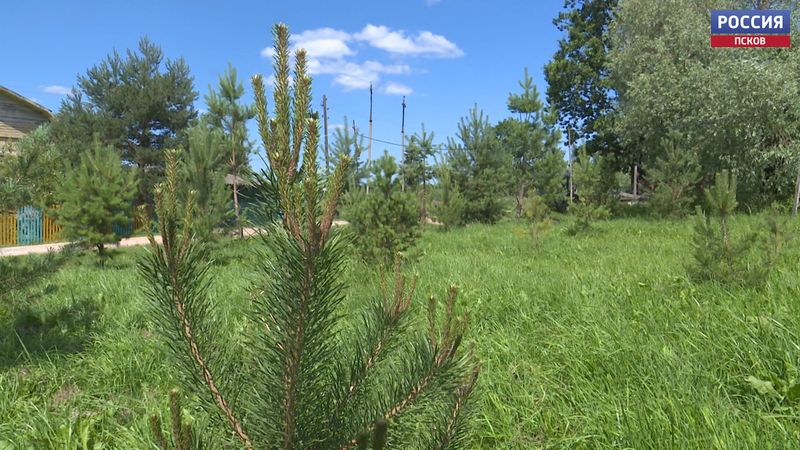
{"x":638,"y":83}
{"x":104,"y":153}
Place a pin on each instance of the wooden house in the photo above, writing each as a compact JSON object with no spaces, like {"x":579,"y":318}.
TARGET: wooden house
{"x":19,"y":116}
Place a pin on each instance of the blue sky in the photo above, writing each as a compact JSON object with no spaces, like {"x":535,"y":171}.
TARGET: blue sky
{"x":443,"y":55}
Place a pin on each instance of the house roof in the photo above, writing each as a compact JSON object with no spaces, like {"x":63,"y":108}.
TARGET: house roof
{"x":27,"y":101}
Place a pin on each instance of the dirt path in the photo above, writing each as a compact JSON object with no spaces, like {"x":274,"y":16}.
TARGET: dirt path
{"x":128,"y":242}
{"x":56,"y":246}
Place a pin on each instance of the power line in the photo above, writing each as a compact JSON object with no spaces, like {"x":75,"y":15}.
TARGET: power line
{"x":394,"y":143}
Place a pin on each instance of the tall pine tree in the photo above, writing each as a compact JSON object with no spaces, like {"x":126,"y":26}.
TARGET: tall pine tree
{"x":138,"y":103}
{"x":533,"y":139}
{"x":227,"y":113}
{"x":479,"y":167}
{"x":416,"y":169}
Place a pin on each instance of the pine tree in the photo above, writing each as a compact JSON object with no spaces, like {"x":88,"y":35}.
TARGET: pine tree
{"x":386,"y":221}
{"x":593,"y":186}
{"x":416,"y":172}
{"x":138,"y":103}
{"x":227,"y":113}
{"x":479,"y":167}
{"x":299,"y":378}
{"x":95,"y":197}
{"x":449,"y":210}
{"x":673,"y":176}
{"x":29,"y":173}
{"x":203,"y":168}
{"x":349,"y":144}
{"x":718,"y":254}
{"x":533,"y":140}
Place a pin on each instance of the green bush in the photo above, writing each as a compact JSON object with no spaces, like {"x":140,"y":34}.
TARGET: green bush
{"x":673,"y":178}
{"x":449,"y":208}
{"x":94,"y":197}
{"x":538,"y":214}
{"x":385,"y":221}
{"x":719,"y":254}
{"x":594,"y":182}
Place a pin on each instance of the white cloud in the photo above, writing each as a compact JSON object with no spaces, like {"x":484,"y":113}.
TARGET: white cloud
{"x":332,"y":52}
{"x":318,"y":43}
{"x":424,"y":43}
{"x":352,"y":75}
{"x":56,"y":89}
{"x":393,"y":88}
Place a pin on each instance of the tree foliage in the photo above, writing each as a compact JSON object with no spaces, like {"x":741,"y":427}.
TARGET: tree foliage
{"x":202,"y":171}
{"x":735,"y":110}
{"x":229,"y":115}
{"x":29,"y":172}
{"x":593,"y":183}
{"x":348,"y":145}
{"x":137,"y":103}
{"x":579,"y":80}
{"x":94,"y":197}
{"x":479,"y":167}
{"x":416,"y":170}
{"x":719,"y":254}
{"x":533,"y":140}
{"x":300,"y":378}
{"x":450,"y":204}
{"x":673,"y":178}
{"x":387,"y":220}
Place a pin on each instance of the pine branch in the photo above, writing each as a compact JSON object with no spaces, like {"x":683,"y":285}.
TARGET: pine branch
{"x":173,"y":263}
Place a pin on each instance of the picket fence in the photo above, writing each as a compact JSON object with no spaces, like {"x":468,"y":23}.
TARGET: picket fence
{"x":29,"y":225}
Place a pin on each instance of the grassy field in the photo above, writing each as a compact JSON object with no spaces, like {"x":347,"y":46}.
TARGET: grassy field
{"x":591,"y":341}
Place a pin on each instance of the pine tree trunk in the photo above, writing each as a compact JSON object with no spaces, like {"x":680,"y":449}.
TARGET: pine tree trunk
{"x":519,"y":198}
{"x":236,"y":204}
{"x":236,"y":192}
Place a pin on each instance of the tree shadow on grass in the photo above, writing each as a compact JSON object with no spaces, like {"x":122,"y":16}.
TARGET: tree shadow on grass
{"x":32,"y":333}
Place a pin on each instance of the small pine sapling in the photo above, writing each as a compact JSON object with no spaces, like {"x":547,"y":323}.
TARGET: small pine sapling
{"x":300,"y":376}
{"x":387,"y":220}
{"x":96,"y":196}
{"x":592,"y":184}
{"x":718,"y":256}
{"x":449,"y":210}
{"x":538,"y":215}
{"x":673,"y":178}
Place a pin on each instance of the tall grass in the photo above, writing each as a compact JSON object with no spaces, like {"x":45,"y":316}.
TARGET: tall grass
{"x":588,"y":341}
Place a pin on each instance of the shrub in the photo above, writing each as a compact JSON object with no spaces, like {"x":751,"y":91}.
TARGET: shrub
{"x":449,"y":210}
{"x":723,"y":257}
{"x":385,"y":221}
{"x":672,"y":178}
{"x":538,"y":215}
{"x":94,"y":197}
{"x":593,"y":182}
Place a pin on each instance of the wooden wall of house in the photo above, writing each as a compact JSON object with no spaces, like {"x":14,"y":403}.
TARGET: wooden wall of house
{"x":17,"y":119}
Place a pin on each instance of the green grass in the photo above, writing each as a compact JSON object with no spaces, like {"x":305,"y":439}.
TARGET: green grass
{"x":591,"y":341}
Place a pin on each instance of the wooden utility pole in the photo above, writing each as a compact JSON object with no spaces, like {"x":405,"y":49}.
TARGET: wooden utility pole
{"x":325,"y":125}
{"x":403,"y":144}
{"x":369,"y":149}
{"x":356,"y":154}
{"x":569,"y":161}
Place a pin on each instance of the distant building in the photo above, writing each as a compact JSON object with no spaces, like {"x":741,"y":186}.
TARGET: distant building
{"x":19,"y":116}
